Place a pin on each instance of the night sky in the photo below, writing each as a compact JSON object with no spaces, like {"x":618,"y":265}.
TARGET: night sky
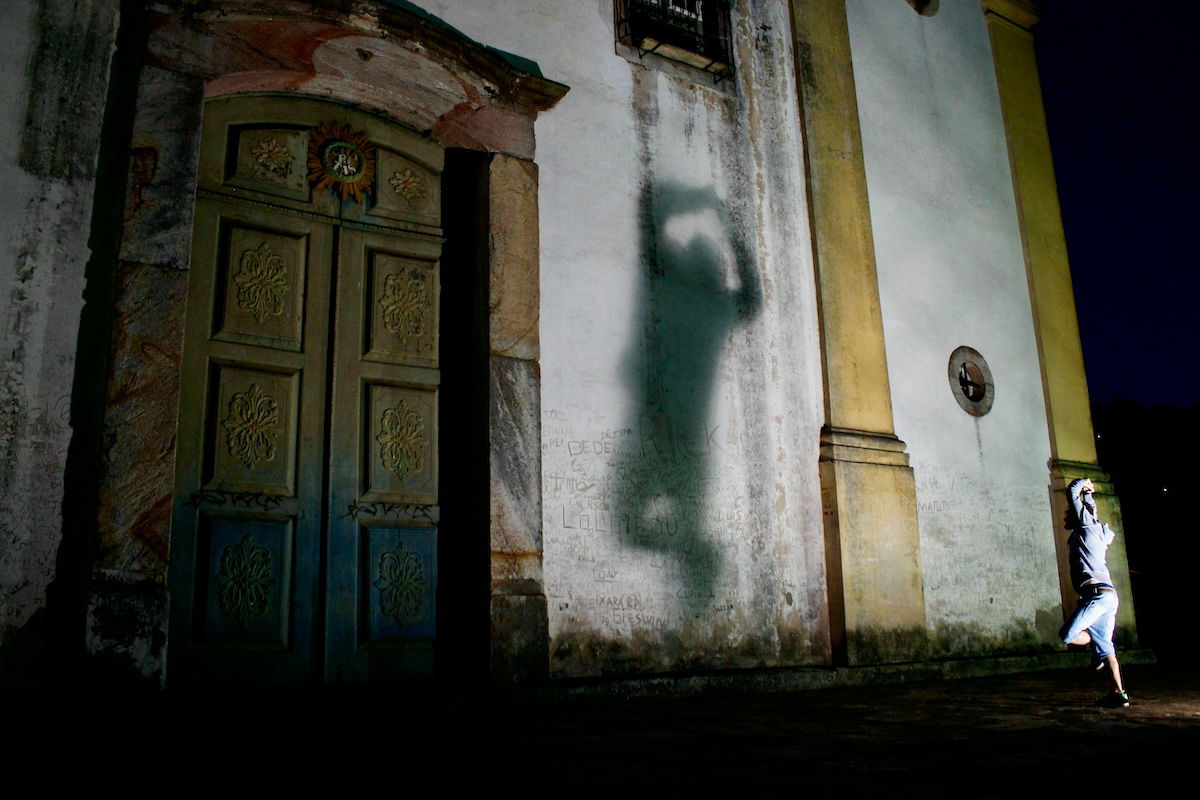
{"x":1120,"y":85}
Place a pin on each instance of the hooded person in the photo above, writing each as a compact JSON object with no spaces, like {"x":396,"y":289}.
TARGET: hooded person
{"x":1095,"y":616}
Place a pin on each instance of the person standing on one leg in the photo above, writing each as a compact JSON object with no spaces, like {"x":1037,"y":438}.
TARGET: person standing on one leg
{"x":1095,"y":618}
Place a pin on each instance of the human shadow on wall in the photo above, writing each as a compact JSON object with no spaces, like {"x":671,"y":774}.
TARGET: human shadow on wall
{"x":690,"y":303}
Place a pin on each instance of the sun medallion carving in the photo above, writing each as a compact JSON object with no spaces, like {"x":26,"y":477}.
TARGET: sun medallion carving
{"x":341,"y":159}
{"x":401,"y":584}
{"x":251,"y":426}
{"x":402,"y":440}
{"x":262,"y":282}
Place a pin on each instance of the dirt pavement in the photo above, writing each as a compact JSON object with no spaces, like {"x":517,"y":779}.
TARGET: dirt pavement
{"x":979,"y":737}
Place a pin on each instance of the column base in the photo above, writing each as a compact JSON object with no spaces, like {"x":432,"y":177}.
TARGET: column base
{"x":520,"y":638}
{"x":872,"y":549}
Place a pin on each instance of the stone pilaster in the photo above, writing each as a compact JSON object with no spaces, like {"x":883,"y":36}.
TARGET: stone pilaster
{"x":1072,"y":441}
{"x":519,"y":622}
{"x":872,"y":548}
{"x":876,"y":595}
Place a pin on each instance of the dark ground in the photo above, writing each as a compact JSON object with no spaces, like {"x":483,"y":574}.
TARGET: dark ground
{"x":982,"y":737}
{"x":974,"y":737}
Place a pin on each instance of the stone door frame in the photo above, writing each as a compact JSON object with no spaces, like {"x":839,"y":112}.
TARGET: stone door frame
{"x":466,"y":97}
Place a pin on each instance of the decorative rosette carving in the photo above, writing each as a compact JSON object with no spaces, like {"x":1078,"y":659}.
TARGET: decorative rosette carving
{"x":262,"y":283}
{"x":408,"y":184}
{"x":404,"y":303}
{"x":272,"y":156}
{"x":402,"y":440}
{"x":244,"y":579}
{"x":251,"y":427}
{"x":402,"y":584}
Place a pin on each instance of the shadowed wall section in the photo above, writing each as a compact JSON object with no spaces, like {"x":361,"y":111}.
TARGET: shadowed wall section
{"x":681,"y":383}
{"x":690,"y":306}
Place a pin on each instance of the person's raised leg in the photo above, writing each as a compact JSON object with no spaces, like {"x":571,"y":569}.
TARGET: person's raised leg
{"x":1075,"y":631}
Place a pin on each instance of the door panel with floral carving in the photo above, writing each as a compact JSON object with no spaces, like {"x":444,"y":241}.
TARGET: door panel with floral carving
{"x":246,"y":532}
{"x":383,"y":465}
{"x":304,"y":535}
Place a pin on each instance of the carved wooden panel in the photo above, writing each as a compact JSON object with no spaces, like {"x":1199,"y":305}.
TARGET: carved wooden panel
{"x":261,"y":277}
{"x":246,"y":564}
{"x":297,"y":488}
{"x":273,"y":160}
{"x":399,"y":576}
{"x":402,"y":309}
{"x":401,"y":436}
{"x":314,"y":155}
{"x":248,"y":484}
{"x":383,"y":461}
{"x":405,"y":190}
{"x":252,"y":431}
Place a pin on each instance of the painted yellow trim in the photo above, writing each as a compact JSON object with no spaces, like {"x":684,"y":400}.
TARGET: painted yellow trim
{"x":876,"y":600}
{"x":1066,"y":391}
{"x":1068,"y":410}
{"x":857,"y":394}
{"x":1021,"y":12}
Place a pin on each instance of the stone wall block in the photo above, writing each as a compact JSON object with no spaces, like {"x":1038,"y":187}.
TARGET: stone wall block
{"x":520,"y":638}
{"x":487,"y":128}
{"x":142,"y":401}
{"x":127,"y":629}
{"x":161,"y":187}
{"x":516,"y":478}
{"x":514,"y":296}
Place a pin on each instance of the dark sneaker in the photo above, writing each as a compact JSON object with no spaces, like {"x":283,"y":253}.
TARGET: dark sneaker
{"x":1114,"y":700}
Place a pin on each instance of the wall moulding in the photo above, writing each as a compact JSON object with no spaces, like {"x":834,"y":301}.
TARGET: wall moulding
{"x":1022,"y":13}
{"x":392,"y":58}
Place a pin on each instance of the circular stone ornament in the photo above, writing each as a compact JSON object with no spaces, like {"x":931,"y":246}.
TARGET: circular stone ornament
{"x":971,"y":381}
{"x":341,"y":159}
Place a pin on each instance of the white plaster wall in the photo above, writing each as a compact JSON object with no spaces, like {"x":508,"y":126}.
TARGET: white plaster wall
{"x":710,"y":554}
{"x":951,"y":273}
{"x":43,"y":251}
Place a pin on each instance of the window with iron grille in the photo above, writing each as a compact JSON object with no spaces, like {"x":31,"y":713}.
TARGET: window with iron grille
{"x":695,"y":32}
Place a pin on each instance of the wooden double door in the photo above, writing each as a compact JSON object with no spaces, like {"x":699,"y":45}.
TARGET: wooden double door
{"x":304,"y":537}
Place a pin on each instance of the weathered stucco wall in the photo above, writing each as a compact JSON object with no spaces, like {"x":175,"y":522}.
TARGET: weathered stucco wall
{"x":54,"y":61}
{"x":680,"y":367}
{"x":680,"y":396}
{"x":951,"y":273}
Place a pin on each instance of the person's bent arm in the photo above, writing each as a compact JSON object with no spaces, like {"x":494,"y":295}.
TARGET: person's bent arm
{"x":1075,"y":490}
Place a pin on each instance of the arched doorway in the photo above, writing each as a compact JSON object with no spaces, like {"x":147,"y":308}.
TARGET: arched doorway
{"x":397,"y":68}
{"x":304,"y":539}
